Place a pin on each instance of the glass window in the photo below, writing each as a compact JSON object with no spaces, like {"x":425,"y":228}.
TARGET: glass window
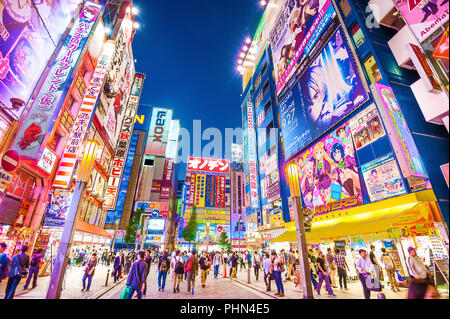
{"x":372,"y":70}
{"x":264,"y":69}
{"x":358,"y":36}
{"x":4,"y":126}
{"x":54,"y":143}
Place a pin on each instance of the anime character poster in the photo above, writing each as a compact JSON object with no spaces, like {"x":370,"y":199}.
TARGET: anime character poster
{"x":366,"y":127}
{"x":328,"y":170}
{"x":424,"y":16}
{"x":382,"y":178}
{"x":296,"y":31}
{"x":25,"y":48}
{"x":57,"y":209}
{"x":327,"y":91}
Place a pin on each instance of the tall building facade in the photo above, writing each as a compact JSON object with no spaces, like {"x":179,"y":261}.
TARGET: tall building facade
{"x":353,"y":136}
{"x":80,"y":101}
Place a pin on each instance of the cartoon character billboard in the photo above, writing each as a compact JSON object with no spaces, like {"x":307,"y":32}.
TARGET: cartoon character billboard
{"x":57,"y":209}
{"x":329,"y":89}
{"x":329,"y":173}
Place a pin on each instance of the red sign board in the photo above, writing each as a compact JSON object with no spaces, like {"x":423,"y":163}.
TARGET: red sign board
{"x":10,"y":161}
{"x":208,"y":165}
{"x":442,"y":49}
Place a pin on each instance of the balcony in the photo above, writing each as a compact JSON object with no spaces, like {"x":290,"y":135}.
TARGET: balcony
{"x":386,"y":14}
{"x":398,"y":45}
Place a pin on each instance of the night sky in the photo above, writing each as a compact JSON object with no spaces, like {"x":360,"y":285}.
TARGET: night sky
{"x":188,"y":50}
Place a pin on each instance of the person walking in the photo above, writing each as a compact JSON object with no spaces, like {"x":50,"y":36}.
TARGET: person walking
{"x":185,"y":259}
{"x":216,"y":264}
{"x":148,"y":262}
{"x":34,"y":268}
{"x":331,"y":268}
{"x":177,"y":265}
{"x":233,"y":264}
{"x":89,"y":272}
{"x":163,"y":268}
{"x":422,"y":289}
{"x":191,"y":269}
{"x":249,"y":259}
{"x":290,"y":262}
{"x":416,"y":267}
{"x":117,"y":267}
{"x":278,"y":268}
{"x":364,"y":267}
{"x":389,"y":266}
{"x":204,"y":267}
{"x":136,"y":276}
{"x":342,"y":267}
{"x":297,"y":274}
{"x":374,"y":261}
{"x":19,"y":270}
{"x":4,"y":261}
{"x":256,"y":264}
{"x":268,"y":272}
{"x":323,"y":276}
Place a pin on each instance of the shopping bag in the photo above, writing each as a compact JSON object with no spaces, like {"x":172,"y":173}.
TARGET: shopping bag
{"x":372,"y":284}
{"x":125,"y":293}
{"x":399,"y":277}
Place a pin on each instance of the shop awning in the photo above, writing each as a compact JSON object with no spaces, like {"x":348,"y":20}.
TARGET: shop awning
{"x":84,"y":227}
{"x":370,"y":218}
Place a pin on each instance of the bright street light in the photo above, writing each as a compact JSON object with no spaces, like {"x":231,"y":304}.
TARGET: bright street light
{"x":136,"y":25}
{"x":135,"y":11}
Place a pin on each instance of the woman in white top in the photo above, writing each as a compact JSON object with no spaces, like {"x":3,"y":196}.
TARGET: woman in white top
{"x":177,"y":265}
{"x":216,"y":264}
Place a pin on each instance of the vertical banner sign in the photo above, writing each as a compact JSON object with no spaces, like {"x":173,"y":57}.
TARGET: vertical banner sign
{"x":220,"y":192}
{"x":49,"y":100}
{"x":398,"y":131}
{"x":159,"y":131}
{"x":66,"y":167}
{"x":192,"y":185}
{"x":167,"y":179}
{"x":200,"y":191}
{"x":252,"y":157}
{"x":57,"y":209}
{"x":423,"y":68}
{"x":210,"y":191}
{"x":117,"y":167}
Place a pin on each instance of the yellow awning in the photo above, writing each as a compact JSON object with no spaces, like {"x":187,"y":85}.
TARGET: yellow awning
{"x":370,"y":218}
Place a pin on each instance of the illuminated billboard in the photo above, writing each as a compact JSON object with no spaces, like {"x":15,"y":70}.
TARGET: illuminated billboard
{"x":48,"y":102}
{"x":252,"y":157}
{"x":208,"y":165}
{"x":297,"y":30}
{"x":159,"y":131}
{"x":328,"y":90}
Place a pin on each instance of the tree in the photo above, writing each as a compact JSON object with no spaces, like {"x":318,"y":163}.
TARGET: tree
{"x":224,"y":241}
{"x":130,"y":237}
{"x":190,"y":230}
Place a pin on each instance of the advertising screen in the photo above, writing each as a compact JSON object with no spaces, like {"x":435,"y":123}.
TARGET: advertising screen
{"x":57,"y":209}
{"x":424,"y":16}
{"x":329,"y":173}
{"x":156,"y":224}
{"x":208,"y":165}
{"x":366,"y":127}
{"x":159,"y":131}
{"x":327,"y":91}
{"x":48,"y":101}
{"x":297,"y":29}
{"x":25,"y":48}
{"x":382,"y":178}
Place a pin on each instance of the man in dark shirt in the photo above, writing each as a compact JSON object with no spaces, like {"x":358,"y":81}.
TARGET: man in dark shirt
{"x":148,"y":261}
{"x":118,"y":264}
{"x":373,"y":260}
{"x":204,"y":267}
{"x":19,"y":264}
{"x":233,"y":262}
{"x":34,"y":268}
{"x":136,"y":277}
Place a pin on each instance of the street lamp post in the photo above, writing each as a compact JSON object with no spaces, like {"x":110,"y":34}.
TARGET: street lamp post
{"x":59,"y":269}
{"x":115,"y":233}
{"x":294,"y":187}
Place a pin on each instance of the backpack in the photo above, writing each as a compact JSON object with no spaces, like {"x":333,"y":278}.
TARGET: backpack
{"x":163,"y":267}
{"x":179,"y":269}
{"x":387,"y":260}
{"x":34,"y":261}
{"x":281,"y":265}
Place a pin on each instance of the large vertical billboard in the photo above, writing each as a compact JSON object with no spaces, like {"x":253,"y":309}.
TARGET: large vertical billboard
{"x":252,"y":157}
{"x":26,"y":45}
{"x":66,"y":167}
{"x":328,"y":90}
{"x":50,"y":97}
{"x":159,"y":131}
{"x":297,"y":30}
{"x":424,"y":16}
{"x":121,"y":152}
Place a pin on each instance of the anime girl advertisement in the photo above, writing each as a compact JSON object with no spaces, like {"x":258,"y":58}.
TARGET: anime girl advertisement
{"x":328,"y":170}
{"x":327,"y":91}
{"x":57,"y":209}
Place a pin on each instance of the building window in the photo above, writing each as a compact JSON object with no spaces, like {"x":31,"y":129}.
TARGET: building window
{"x":71,"y":103}
{"x":372,"y":70}
{"x":358,"y":36}
{"x":266,"y":88}
{"x":259,"y":99}
{"x":264,"y":69}
{"x":81,"y":86}
{"x":4,"y":126}
{"x":54,"y":142}
{"x":345,"y":8}
{"x":267,"y":107}
{"x":67,"y":120}
{"x":258,"y":81}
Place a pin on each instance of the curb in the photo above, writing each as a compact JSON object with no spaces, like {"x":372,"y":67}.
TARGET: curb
{"x":107,"y":289}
